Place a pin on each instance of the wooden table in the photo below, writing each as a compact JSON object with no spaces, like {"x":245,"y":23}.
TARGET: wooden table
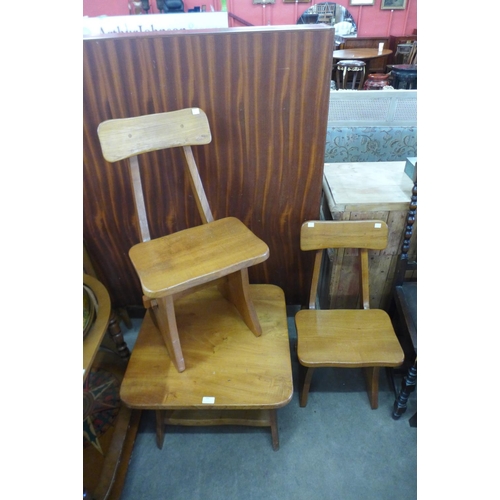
{"x":365,"y":191}
{"x":231,"y":376}
{"x":361,"y":54}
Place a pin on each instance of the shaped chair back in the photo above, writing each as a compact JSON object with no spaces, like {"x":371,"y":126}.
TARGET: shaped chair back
{"x":129,"y":137}
{"x":361,"y":235}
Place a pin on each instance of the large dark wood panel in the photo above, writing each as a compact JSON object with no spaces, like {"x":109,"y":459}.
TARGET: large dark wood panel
{"x":266,"y":94}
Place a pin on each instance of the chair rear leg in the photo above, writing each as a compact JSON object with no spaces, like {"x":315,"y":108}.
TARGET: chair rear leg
{"x":237,"y":290}
{"x":306,"y":384}
{"x":371,"y":377}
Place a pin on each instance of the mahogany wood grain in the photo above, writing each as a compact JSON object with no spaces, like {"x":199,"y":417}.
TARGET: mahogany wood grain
{"x":265,"y":92}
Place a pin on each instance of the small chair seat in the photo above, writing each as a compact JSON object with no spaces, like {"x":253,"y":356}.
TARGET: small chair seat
{"x":179,"y":261}
{"x":350,"y":338}
{"x":347,"y":66}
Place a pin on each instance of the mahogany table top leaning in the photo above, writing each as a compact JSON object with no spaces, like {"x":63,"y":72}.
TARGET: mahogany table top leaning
{"x":361,"y":53}
{"x":226,"y":368}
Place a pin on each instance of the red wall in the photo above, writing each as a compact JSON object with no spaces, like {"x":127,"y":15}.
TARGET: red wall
{"x":371,"y":20}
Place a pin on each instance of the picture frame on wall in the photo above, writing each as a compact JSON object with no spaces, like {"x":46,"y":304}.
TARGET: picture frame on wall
{"x":361,"y":2}
{"x":393,"y":4}
{"x":294,"y":1}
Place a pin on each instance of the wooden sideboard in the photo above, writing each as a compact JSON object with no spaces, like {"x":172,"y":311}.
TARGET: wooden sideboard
{"x":377,"y":65}
{"x":265,"y":91}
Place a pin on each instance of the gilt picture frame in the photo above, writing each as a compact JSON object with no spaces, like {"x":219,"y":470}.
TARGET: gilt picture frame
{"x":393,"y":4}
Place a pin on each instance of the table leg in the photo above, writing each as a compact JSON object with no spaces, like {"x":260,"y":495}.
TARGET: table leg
{"x":160,"y":428}
{"x":273,"y":414}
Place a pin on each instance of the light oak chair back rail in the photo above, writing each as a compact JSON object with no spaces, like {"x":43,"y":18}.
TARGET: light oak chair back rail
{"x":340,"y":338}
{"x":215,"y":253}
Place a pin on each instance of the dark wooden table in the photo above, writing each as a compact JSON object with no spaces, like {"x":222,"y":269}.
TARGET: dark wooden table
{"x":361,"y":54}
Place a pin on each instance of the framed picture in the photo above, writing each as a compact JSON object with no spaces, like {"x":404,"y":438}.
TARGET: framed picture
{"x":361,"y":2}
{"x":393,"y":5}
{"x":299,"y":1}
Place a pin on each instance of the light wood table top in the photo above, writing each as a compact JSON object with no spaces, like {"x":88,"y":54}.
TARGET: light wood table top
{"x":367,"y":186}
{"x":360,"y":54}
{"x":227,"y":366}
{"x":94,"y":338}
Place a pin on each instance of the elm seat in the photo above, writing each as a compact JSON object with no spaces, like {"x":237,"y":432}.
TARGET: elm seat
{"x":215,"y":253}
{"x":350,"y":66}
{"x":345,"y":338}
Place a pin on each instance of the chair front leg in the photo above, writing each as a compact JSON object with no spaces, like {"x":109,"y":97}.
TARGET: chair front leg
{"x":371,"y":378}
{"x":164,"y":312}
{"x":304,"y":392}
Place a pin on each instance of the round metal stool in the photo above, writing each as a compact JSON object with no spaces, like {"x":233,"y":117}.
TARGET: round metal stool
{"x":345,"y":67}
{"x":404,"y":76}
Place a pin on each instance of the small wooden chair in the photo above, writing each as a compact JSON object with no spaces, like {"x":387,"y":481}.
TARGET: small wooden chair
{"x":218,"y":252}
{"x":345,"y":338}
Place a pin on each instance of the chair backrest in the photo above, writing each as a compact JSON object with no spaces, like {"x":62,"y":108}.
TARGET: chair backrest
{"x":126,"y":138}
{"x":361,"y":235}
{"x":412,"y":56}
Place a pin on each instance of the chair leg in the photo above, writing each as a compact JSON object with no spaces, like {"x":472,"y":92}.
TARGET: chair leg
{"x":164,"y":313}
{"x":344,"y":78}
{"x":361,"y":79}
{"x":237,"y":291}
{"x":304,"y":391}
{"x":354,"y":78}
{"x":371,"y":377}
{"x":160,"y":428}
{"x":273,"y":414}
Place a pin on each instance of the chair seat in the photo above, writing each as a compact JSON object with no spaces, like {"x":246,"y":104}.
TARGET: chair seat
{"x":347,"y":338}
{"x":195,"y":256}
{"x":351,"y":64}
